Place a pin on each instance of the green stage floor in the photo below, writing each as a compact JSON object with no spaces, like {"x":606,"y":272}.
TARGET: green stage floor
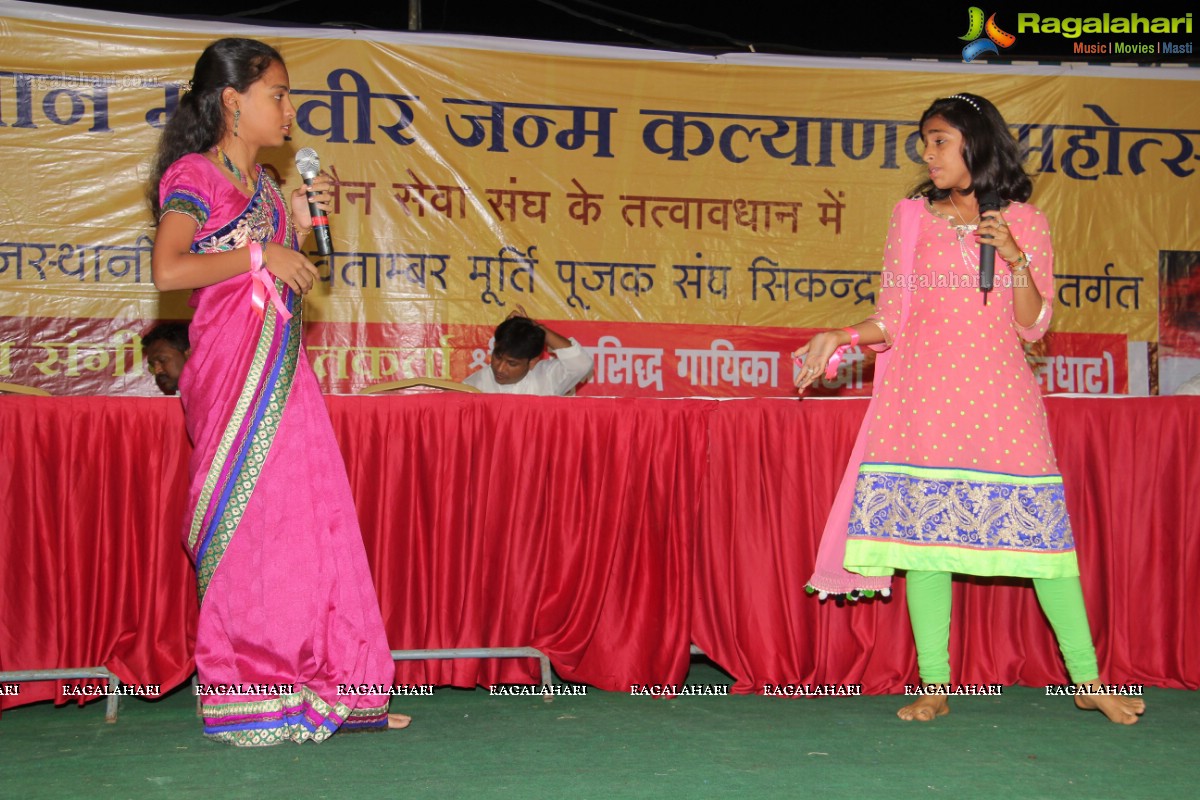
{"x":468,"y":744}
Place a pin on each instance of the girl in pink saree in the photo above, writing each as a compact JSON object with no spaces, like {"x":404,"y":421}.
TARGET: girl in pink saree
{"x":290,"y":643}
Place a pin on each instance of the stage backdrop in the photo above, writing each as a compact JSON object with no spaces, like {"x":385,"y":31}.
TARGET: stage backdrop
{"x":689,"y":220}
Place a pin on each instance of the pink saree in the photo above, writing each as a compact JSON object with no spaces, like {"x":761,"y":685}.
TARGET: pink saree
{"x":290,"y":643}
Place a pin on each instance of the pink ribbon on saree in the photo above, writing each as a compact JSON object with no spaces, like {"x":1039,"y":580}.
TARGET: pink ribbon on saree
{"x":264,"y":285}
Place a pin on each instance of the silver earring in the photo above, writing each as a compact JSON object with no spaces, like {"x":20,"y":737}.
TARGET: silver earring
{"x":237,"y":115}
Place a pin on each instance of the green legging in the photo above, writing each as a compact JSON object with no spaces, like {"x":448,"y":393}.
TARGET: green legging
{"x":928,"y":596}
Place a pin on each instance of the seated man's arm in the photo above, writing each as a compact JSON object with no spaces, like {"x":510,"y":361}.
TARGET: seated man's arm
{"x":571,"y":363}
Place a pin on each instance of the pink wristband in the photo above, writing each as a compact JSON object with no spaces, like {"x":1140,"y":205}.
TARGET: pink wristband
{"x":263,"y":287}
{"x":256,"y":259}
{"x":836,"y":359}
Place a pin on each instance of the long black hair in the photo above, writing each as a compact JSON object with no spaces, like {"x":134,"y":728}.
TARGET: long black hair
{"x":198,"y":124}
{"x":991,"y":153}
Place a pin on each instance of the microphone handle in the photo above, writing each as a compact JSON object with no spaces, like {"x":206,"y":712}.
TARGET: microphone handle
{"x":987,"y":266}
{"x":990,"y":201}
{"x":320,"y":224}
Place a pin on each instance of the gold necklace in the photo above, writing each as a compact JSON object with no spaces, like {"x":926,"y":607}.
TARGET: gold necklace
{"x":237,"y":173}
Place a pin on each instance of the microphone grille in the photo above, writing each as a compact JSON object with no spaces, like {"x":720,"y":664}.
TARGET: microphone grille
{"x":307,"y":161}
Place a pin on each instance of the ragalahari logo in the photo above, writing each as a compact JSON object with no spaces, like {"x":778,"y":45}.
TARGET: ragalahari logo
{"x":978,"y":45}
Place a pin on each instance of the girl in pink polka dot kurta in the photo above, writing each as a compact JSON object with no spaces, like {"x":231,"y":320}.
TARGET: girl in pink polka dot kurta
{"x":954,"y":470}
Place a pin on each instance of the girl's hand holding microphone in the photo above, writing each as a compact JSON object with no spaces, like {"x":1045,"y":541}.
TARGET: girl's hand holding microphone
{"x":320,"y":194}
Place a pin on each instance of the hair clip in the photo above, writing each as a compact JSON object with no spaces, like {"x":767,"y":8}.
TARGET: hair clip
{"x":968,"y":100}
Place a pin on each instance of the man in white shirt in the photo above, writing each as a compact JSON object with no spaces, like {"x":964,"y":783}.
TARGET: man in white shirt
{"x":517,"y":365}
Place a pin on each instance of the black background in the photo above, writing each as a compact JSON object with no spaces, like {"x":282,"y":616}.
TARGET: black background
{"x":839,"y":29}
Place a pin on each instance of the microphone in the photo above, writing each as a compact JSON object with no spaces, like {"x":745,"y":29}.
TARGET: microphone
{"x":309,"y":166}
{"x":988,"y":201}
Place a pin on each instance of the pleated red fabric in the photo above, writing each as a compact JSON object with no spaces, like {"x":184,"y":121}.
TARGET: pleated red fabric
{"x":609,"y":533}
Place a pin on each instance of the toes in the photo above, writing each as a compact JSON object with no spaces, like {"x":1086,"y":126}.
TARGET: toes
{"x":920,"y":712}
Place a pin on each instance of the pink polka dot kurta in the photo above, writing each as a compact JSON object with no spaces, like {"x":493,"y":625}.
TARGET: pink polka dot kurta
{"x":959,"y":474}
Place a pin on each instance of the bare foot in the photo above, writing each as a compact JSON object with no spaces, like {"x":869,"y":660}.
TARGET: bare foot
{"x":1121,"y":709}
{"x":398,"y":721}
{"x":926,"y":707}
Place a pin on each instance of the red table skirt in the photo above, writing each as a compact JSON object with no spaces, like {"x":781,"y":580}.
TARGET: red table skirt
{"x":609,"y":533}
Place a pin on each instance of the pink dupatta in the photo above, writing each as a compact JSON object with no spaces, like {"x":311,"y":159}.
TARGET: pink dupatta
{"x":830,"y":576}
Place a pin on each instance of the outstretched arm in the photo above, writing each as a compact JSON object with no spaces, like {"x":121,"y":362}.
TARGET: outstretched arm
{"x":175,"y":266}
{"x":820,"y":348}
